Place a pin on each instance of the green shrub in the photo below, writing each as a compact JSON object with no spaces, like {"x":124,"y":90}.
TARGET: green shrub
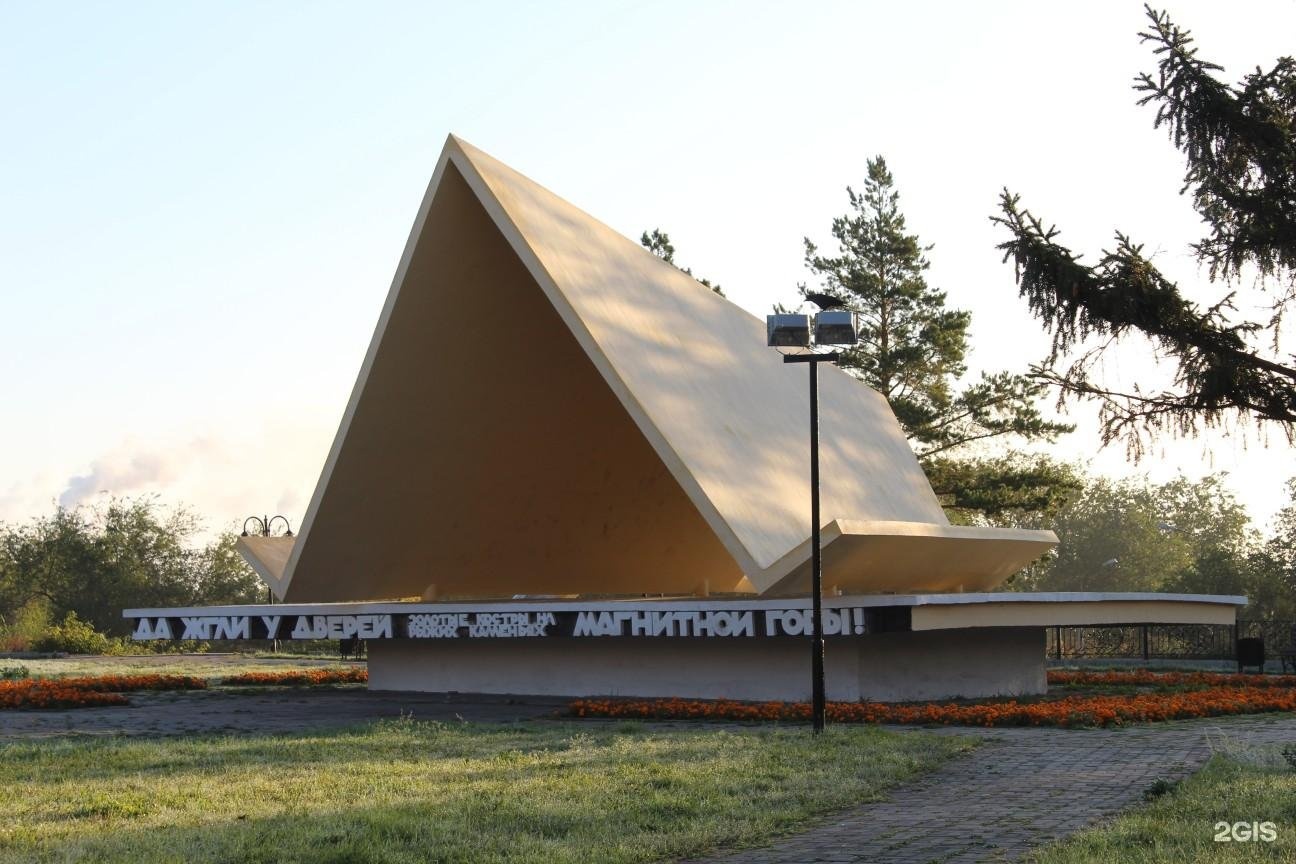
{"x":75,"y":636}
{"x":25,"y":627}
{"x":14,"y":673}
{"x":179,"y":646}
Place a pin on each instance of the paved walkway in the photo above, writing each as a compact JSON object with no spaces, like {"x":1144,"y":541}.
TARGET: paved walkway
{"x":1022,"y":788}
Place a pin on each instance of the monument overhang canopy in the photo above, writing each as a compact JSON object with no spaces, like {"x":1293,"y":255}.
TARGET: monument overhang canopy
{"x":548,"y":408}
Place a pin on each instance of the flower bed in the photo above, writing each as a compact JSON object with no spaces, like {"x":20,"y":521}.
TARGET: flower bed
{"x":51,"y":695}
{"x":87,"y":692}
{"x":1069,"y":711}
{"x":1144,"y":677}
{"x":129,"y":683}
{"x":302,"y":678}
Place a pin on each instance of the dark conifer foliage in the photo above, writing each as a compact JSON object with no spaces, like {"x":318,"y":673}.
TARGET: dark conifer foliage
{"x":659,"y":243}
{"x":1239,"y":144}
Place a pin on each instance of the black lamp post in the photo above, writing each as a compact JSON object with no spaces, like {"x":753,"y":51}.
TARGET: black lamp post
{"x":830,"y":328}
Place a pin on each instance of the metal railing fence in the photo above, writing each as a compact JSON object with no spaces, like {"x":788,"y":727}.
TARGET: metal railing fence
{"x":1167,"y":641}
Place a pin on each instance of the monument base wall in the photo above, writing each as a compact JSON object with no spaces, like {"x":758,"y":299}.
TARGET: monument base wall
{"x":883,"y":667}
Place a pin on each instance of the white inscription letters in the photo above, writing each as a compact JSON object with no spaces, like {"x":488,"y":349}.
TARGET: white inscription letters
{"x":708,"y":623}
{"x":343,"y":627}
{"x":480,"y":625}
{"x":796,"y":622}
{"x":147,"y":630}
{"x":613,"y":622}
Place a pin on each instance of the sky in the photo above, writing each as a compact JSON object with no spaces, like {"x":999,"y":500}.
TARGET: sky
{"x":202,"y":205}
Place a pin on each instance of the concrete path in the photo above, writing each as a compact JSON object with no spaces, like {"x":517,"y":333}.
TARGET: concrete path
{"x":1022,"y":788}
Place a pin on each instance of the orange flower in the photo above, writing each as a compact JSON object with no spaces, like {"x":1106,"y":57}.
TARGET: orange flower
{"x":1068,"y":711}
{"x":87,"y":691}
{"x":305,"y":677}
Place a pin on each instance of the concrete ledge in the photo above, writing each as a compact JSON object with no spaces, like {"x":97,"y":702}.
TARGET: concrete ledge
{"x":890,"y":667}
{"x":1045,"y":599}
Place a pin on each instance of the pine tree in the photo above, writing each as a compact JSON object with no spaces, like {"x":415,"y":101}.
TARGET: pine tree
{"x":913,"y":351}
{"x":658,"y":242}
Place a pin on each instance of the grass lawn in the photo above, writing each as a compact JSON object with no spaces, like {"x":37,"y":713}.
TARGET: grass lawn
{"x":1180,"y":826}
{"x":407,"y":791}
{"x":201,"y":665}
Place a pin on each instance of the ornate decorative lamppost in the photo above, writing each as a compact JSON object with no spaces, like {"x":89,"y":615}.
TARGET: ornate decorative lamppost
{"x":264,"y":526}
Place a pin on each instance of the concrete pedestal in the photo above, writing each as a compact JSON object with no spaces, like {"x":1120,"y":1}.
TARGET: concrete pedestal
{"x":885,"y":667}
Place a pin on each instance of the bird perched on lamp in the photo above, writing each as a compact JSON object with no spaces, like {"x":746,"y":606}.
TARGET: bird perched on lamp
{"x":826,"y":301}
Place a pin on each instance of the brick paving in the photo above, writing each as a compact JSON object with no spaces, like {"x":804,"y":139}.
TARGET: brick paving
{"x":1022,"y":788}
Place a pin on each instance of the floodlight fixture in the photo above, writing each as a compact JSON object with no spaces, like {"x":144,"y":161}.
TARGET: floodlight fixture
{"x":836,"y":328}
{"x":787,"y":331}
{"x":830,"y":327}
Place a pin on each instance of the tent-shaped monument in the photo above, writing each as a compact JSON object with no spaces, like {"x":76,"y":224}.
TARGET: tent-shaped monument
{"x":548,"y":408}
{"x":566,"y":468}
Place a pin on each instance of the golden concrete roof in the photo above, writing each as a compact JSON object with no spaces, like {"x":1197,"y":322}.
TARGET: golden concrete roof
{"x":547,"y":408}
